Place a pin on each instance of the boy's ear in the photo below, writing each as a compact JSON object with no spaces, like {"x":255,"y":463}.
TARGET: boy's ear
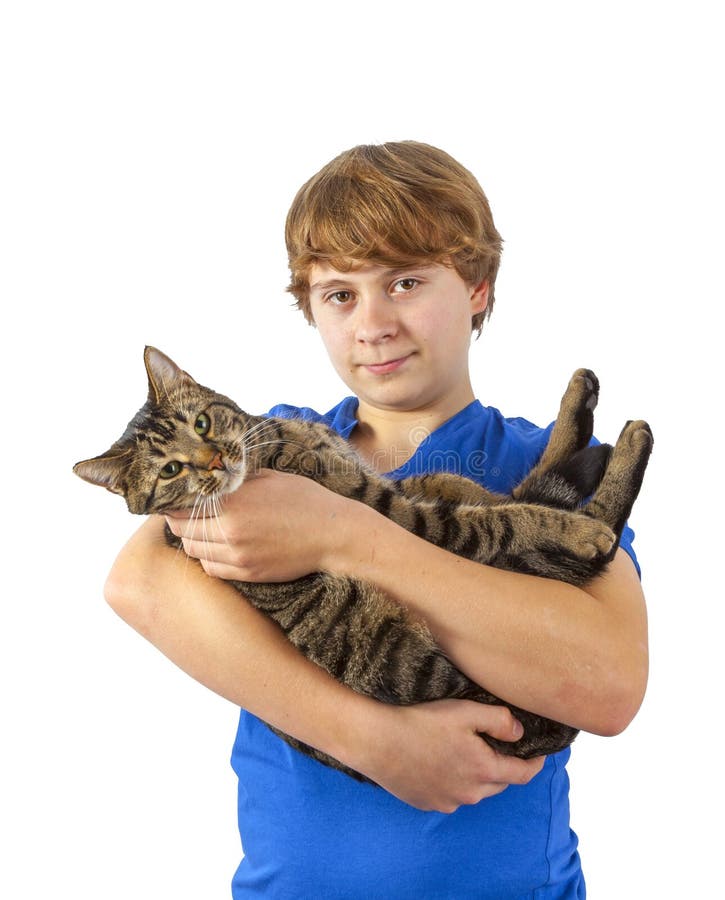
{"x":479,"y":297}
{"x":163,"y":373}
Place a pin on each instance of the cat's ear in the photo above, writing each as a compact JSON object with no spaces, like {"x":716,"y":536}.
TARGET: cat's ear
{"x":163,"y":374}
{"x":105,"y":470}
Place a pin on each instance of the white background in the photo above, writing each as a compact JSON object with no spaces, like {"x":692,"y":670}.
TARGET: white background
{"x":149,"y":154}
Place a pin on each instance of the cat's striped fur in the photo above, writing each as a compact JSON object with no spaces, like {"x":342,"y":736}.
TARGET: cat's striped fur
{"x":188,"y":445}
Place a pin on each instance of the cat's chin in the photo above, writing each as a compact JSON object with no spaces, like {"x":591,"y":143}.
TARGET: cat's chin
{"x":232,"y":481}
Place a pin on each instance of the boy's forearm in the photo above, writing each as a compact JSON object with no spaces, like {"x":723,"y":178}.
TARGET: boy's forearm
{"x":207,"y":629}
{"x":578,"y":656}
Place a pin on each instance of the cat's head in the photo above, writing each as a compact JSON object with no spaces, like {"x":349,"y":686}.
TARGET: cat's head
{"x":185,"y":443}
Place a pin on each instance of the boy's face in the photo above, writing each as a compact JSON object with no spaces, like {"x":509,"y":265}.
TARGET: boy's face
{"x":399,"y":338}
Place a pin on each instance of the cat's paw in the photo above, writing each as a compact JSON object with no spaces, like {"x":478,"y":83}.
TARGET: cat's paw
{"x":584,"y":389}
{"x":638,"y":437}
{"x":588,"y":538}
{"x":578,"y":405}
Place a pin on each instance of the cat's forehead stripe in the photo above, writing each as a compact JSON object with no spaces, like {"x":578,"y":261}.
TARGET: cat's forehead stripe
{"x":232,"y":407}
{"x":166,"y":430}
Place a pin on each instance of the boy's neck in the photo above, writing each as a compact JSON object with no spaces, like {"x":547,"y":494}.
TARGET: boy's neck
{"x":386,"y":439}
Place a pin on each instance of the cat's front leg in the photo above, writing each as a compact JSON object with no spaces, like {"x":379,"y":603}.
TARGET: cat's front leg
{"x":449,"y":487}
{"x":537,"y":540}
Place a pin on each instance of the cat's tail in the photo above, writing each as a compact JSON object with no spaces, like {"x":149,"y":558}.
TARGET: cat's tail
{"x":567,"y":484}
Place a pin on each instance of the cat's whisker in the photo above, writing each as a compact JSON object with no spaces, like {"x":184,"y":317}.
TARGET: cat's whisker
{"x":251,"y":437}
{"x":275,"y":442}
{"x":278,"y":442}
{"x":265,"y":424}
{"x":180,"y":548}
{"x":205,"y":527}
{"x":216,"y":510}
{"x":193,"y":518}
{"x":199,"y":515}
{"x":249,"y":441}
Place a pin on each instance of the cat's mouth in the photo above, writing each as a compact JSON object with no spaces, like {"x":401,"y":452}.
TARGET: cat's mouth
{"x":232,"y":481}
{"x":229,"y":474}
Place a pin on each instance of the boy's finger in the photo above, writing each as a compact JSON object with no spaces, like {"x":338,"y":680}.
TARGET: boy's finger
{"x":498,"y":722}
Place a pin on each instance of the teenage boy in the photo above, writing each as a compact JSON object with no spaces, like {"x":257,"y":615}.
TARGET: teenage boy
{"x":393,"y":254}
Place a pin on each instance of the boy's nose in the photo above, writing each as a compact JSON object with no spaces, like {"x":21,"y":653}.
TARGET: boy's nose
{"x":376,"y":320}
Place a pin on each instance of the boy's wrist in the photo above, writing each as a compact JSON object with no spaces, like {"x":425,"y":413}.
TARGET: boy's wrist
{"x":358,"y":531}
{"x":358,"y":737}
{"x":344,"y":536}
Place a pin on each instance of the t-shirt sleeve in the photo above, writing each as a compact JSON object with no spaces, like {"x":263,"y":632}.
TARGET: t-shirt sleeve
{"x":285,"y":411}
{"x":626,"y":544}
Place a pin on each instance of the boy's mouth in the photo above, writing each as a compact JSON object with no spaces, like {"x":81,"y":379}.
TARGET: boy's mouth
{"x":385,"y":368}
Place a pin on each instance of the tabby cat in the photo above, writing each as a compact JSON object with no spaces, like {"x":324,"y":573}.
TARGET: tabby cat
{"x":188,"y":445}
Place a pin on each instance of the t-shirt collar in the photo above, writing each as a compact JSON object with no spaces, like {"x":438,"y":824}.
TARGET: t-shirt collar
{"x":343,"y":420}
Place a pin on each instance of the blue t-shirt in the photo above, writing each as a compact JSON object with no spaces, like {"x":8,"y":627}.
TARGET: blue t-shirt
{"x":309,"y":831}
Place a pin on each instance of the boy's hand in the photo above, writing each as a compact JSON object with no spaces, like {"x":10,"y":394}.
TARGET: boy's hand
{"x":275,"y":527}
{"x":431,"y":756}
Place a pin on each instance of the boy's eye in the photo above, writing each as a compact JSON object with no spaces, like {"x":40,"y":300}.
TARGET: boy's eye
{"x":340,"y":298}
{"x":404,"y":285}
{"x":171,"y":469}
{"x":202,"y":424}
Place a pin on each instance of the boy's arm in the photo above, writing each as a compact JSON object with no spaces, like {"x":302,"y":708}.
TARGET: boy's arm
{"x":577,"y":655}
{"x":208,"y":630}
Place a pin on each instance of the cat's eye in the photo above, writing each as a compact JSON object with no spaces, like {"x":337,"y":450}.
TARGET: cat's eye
{"x":171,"y":469}
{"x":202,"y":424}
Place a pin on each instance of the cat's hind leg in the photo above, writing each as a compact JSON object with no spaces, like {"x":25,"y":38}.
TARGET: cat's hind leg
{"x":571,"y":433}
{"x":572,"y":430}
{"x":615,"y":496}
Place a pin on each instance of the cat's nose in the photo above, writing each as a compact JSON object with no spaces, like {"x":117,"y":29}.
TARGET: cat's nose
{"x":216,"y":462}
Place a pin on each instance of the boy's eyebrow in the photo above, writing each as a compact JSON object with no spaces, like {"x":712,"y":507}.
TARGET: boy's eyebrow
{"x":385,"y":273}
{"x":324,"y":285}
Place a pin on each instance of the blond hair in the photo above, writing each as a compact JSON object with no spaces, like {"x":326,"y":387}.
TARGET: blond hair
{"x":393,"y":204}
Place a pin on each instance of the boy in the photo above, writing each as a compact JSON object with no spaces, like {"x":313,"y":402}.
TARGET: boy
{"x":394,"y":254}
